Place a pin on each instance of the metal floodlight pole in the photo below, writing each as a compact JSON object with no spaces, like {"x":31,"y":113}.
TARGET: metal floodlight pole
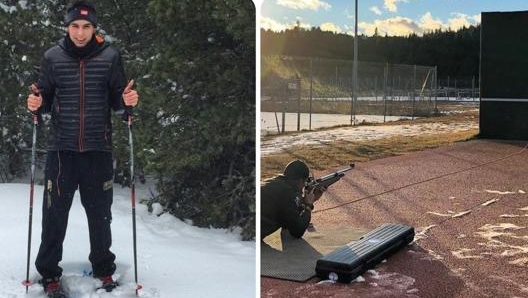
{"x":355,"y":67}
{"x":311,"y":88}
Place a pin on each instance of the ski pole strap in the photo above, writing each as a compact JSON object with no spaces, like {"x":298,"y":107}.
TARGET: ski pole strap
{"x":129,"y":111}
{"x":128,"y":115}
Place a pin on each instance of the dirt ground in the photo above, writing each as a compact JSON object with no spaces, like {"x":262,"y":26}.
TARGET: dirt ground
{"x":468,"y":204}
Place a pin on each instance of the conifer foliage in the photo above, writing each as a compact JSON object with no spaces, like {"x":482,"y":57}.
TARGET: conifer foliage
{"x":193,"y":63}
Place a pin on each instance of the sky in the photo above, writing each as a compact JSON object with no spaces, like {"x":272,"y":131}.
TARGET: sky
{"x":391,"y":17}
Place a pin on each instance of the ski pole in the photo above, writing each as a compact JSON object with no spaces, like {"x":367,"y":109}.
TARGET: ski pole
{"x":27,"y":282}
{"x":133,"y":195}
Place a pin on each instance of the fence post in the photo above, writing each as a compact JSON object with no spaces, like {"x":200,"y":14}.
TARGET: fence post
{"x":456,"y":95}
{"x":277,"y":121}
{"x":447,"y":88}
{"x":385,"y":79}
{"x":436,"y":89}
{"x":276,"y":107}
{"x":298,"y":83}
{"x":376,"y":88}
{"x":284,"y":107}
{"x":413,"y":91}
{"x":473,"y":88}
{"x":336,"y":83}
{"x":311,"y":88}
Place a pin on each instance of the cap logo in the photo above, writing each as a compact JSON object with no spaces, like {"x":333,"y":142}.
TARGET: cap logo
{"x":84,"y":12}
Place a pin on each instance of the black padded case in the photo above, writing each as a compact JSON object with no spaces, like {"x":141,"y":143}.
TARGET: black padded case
{"x":351,"y":260}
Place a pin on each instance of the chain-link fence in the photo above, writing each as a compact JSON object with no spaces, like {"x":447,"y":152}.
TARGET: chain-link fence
{"x":308,"y":93}
{"x":461,"y":89}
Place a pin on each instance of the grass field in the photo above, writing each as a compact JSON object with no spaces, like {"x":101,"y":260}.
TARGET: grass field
{"x":341,"y":153}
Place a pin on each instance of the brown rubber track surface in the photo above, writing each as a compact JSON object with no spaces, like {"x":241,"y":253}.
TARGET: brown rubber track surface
{"x":454,"y":258}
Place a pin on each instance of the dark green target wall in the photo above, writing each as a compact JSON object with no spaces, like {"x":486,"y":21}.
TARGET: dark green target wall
{"x":504,"y":75}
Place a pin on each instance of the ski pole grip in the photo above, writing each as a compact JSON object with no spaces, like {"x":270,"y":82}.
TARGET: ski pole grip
{"x":35,"y":91}
{"x":36,"y":112}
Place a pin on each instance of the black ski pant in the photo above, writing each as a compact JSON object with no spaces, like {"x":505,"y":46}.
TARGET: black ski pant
{"x":92,"y":173}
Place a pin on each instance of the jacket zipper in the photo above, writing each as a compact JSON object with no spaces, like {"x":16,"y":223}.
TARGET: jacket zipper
{"x":81,"y":105}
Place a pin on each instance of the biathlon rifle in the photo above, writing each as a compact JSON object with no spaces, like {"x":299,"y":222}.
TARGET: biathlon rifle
{"x":325,"y":181}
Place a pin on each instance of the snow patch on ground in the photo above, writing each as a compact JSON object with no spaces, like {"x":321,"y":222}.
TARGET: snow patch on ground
{"x":502,"y":240}
{"x":500,"y":192}
{"x":358,"y":133}
{"x":174,"y":258}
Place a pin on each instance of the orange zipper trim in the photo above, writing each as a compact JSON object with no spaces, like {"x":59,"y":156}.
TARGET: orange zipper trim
{"x":81,"y":105}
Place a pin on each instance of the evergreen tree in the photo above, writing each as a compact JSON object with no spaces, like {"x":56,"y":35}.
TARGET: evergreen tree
{"x":25,"y":32}
{"x":205,"y":143}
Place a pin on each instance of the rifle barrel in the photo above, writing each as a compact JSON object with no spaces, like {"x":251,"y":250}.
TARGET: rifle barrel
{"x":332,"y":176}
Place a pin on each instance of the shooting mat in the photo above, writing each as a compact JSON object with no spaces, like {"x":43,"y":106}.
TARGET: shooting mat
{"x":285,"y":257}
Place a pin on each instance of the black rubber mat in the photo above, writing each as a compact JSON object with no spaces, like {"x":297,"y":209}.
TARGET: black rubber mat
{"x":285,"y":257}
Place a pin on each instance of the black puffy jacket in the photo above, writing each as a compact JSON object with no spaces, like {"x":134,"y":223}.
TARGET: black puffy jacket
{"x":79,"y":94}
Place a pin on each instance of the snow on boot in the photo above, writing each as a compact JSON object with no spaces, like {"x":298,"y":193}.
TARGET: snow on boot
{"x":108,"y":283}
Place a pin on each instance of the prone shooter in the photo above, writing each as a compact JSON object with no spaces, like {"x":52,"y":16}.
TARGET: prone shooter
{"x":287,"y":199}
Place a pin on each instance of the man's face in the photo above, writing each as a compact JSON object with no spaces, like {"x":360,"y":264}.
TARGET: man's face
{"x":81,"y":32}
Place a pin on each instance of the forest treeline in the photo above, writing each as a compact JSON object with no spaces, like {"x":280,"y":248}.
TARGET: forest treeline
{"x":455,"y":53}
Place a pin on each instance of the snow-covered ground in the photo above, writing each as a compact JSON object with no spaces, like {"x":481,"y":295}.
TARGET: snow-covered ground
{"x":268,"y":122}
{"x":175,"y":259}
{"x":359,"y":133}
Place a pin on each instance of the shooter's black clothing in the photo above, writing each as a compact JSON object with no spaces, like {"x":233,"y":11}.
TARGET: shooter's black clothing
{"x":281,"y":207}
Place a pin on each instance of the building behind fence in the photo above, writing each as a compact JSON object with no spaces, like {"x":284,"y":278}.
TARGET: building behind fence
{"x":325,"y":86}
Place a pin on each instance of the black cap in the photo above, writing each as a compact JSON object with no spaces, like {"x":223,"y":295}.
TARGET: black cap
{"x":297,"y":170}
{"x":80,"y":10}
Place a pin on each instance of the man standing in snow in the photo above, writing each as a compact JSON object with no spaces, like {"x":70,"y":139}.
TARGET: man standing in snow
{"x":81,"y":80}
{"x":283,"y":204}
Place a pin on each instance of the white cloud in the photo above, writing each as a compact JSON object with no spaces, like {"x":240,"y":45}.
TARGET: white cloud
{"x":304,"y":4}
{"x":330,"y":27}
{"x":401,"y":26}
{"x":390,"y":5}
{"x":459,"y":20}
{"x":270,"y":24}
{"x":476,"y":18}
{"x":375,"y":10}
{"x":273,"y":25}
{"x":429,"y":23}
{"x":397,"y":26}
